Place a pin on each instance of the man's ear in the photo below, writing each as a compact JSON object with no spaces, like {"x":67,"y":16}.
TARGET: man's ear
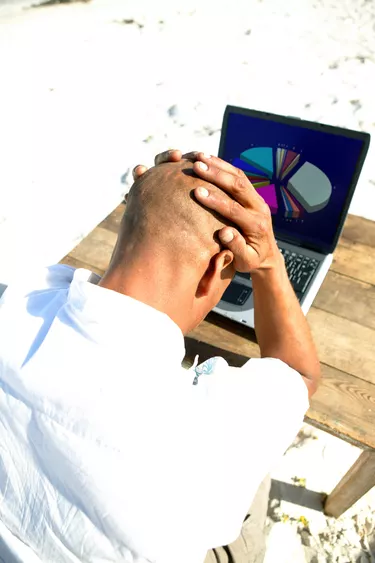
{"x":220,"y":268}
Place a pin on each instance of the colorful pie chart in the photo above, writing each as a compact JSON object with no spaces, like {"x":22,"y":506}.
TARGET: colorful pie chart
{"x":284,"y":181}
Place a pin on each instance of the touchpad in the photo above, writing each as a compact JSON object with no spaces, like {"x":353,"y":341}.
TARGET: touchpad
{"x":237,"y":293}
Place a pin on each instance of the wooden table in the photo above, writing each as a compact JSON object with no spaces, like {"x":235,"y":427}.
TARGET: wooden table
{"x":342,"y":320}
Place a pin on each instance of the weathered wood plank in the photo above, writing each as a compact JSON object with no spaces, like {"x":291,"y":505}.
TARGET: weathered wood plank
{"x":359,"y":230}
{"x":70,"y":261}
{"x":230,"y":336}
{"x":344,"y":406}
{"x":348,"y":298}
{"x":113,"y":221}
{"x":344,"y":344}
{"x":204,"y":350}
{"x":359,"y":479}
{"x":96,"y":249}
{"x":356,"y":260}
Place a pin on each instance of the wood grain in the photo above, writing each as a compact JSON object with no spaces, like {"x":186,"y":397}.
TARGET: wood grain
{"x":113,"y":221}
{"x":357,"y":229}
{"x":70,"y":261}
{"x":200,"y":348}
{"x":227,"y":335}
{"x":349,"y":298}
{"x":344,"y":406}
{"x":359,"y":479}
{"x":355,"y":260}
{"x":344,"y":344}
{"x":96,"y":249}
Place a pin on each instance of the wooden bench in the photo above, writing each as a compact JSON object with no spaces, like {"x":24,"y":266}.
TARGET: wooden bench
{"x":342,"y":320}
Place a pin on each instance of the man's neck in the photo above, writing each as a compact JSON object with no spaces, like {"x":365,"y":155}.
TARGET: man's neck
{"x":157,"y":282}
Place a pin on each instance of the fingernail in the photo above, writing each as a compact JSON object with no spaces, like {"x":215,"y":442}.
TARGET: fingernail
{"x":202,"y":166}
{"x":203,"y":192}
{"x":227,"y":236}
{"x":206,"y":155}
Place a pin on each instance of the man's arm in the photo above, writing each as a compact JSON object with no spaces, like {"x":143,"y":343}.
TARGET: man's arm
{"x":280,"y":325}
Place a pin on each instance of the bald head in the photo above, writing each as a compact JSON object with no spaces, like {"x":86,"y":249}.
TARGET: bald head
{"x":162,"y":213}
{"x":167,"y":254}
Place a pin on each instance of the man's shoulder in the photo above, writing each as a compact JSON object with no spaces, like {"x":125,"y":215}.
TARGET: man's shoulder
{"x":56,"y":277}
{"x":263,"y":377}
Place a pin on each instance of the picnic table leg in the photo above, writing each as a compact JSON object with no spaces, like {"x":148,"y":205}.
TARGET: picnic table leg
{"x":359,"y":479}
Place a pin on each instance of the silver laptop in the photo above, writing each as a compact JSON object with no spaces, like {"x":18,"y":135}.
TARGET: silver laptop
{"x":307,"y":173}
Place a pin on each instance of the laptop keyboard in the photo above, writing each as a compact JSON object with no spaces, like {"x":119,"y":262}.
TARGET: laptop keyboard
{"x":300,"y":268}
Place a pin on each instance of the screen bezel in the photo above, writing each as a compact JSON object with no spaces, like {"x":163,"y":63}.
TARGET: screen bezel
{"x":362,"y":136}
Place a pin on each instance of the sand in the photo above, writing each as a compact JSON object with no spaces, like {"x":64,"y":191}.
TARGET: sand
{"x":88,"y":90}
{"x":298,"y":530}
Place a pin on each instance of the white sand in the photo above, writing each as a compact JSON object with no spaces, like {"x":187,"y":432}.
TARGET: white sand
{"x":85,"y":97}
{"x":315,"y":463}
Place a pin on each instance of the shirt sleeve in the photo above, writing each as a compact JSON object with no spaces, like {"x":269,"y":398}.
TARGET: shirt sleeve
{"x":267,"y":386}
{"x":255,"y":413}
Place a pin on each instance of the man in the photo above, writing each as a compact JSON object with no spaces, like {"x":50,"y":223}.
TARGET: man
{"x":109,"y":452}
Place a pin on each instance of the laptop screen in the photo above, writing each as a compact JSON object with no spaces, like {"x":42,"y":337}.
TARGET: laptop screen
{"x":306,"y":172}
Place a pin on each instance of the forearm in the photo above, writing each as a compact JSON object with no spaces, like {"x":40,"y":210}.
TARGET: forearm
{"x":280,"y":325}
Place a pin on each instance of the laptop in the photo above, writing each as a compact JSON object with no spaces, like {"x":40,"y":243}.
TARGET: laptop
{"x":307,"y":173}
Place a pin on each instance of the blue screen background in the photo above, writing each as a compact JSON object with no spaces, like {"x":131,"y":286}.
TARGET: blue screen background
{"x":334,"y":154}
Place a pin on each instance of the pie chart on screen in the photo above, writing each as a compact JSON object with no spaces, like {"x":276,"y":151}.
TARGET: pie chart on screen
{"x":285,"y":183}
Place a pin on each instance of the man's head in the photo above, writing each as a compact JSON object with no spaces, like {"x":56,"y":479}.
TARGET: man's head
{"x":168,"y":254}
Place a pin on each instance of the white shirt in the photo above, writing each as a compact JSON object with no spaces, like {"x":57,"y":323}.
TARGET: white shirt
{"x":108,"y":451}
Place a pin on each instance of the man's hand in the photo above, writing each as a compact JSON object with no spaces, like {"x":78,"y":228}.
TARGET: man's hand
{"x":253,"y":245}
